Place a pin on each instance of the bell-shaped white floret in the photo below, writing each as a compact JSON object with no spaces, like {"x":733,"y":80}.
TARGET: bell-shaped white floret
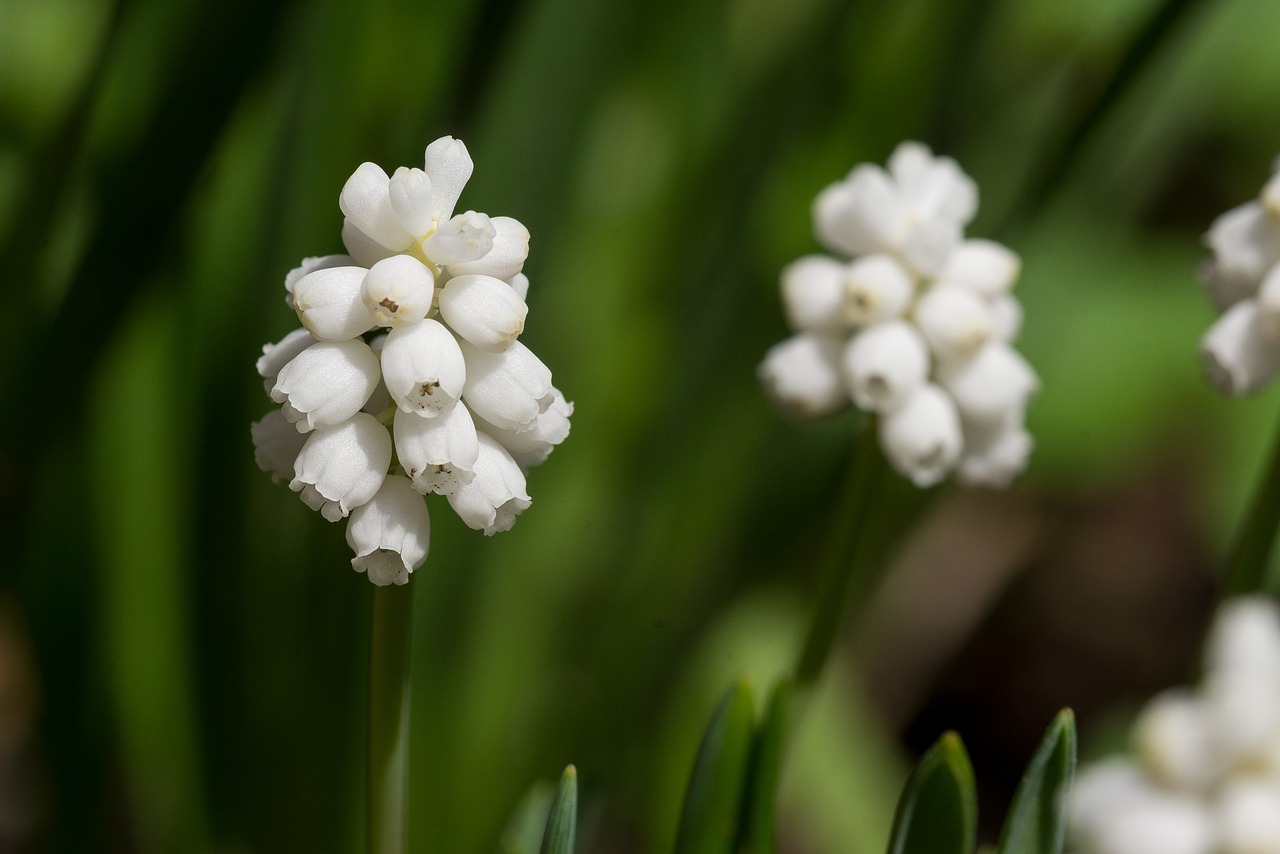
{"x":1243,"y":715}
{"x":1245,"y":639}
{"x":276,"y":356}
{"x":984,"y":266}
{"x":861,"y":214}
{"x":533,"y":446}
{"x":508,"y":389}
{"x":929,"y":244}
{"x":1246,"y":244}
{"x":1101,"y":791}
{"x":955,"y":321}
{"x":934,"y":188}
{"x":423,"y":368}
{"x":485,"y":311}
{"x":398,"y":290}
{"x":466,"y":237}
{"x":310,"y":265}
{"x":991,"y":384}
{"x":363,"y":250}
{"x":449,"y":165}
{"x":876,"y":288}
{"x":813,"y":293}
{"x":922,"y":439}
{"x":1174,"y":742}
{"x":326,"y":383}
{"x":342,"y":466}
{"x":994,"y":454}
{"x":276,"y":444}
{"x":802,"y":375}
{"x":1249,"y":817}
{"x":439,"y":453}
{"x":496,"y":495}
{"x":1006,"y":318}
{"x":1239,"y":355}
{"x":330,"y":305}
{"x":410,"y":194}
{"x":505,"y":259}
{"x":1158,"y":822}
{"x":366,"y":202}
{"x":390,"y":534}
{"x":884,"y":365}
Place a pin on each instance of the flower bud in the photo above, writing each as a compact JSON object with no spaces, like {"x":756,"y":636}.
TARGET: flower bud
{"x":398,"y":290}
{"x":326,"y":383}
{"x":991,"y":384}
{"x":440,"y":453}
{"x":508,"y":389}
{"x":861,"y":214}
{"x":390,"y":534}
{"x":802,"y":375}
{"x":984,"y":266}
{"x":922,"y":438}
{"x":485,"y":311}
{"x":1239,"y":356}
{"x":410,"y":194}
{"x":994,"y":454}
{"x":366,"y":202}
{"x":449,"y":166}
{"x":1245,"y":639}
{"x":1245,"y":243}
{"x":505,"y":259}
{"x":310,"y":265}
{"x":466,"y":237}
{"x":496,"y":495}
{"x":423,"y":368}
{"x":813,"y":293}
{"x":876,"y":289}
{"x":276,"y":444}
{"x":933,"y":187}
{"x":1249,"y":817}
{"x":884,"y":365}
{"x":329,"y":303}
{"x":1173,"y":740}
{"x":955,"y":321}
{"x":342,"y":466}
{"x":276,"y":356}
{"x":929,"y":244}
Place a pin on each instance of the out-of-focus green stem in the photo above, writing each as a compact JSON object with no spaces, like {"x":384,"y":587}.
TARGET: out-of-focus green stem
{"x":842,"y":555}
{"x":1246,"y":569}
{"x":391,"y":630}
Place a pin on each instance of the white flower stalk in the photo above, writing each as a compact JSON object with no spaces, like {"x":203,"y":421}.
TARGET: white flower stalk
{"x":446,"y":402}
{"x":326,"y":383}
{"x":915,"y":318}
{"x":1204,"y":779}
{"x":398,"y":290}
{"x":423,"y":368}
{"x":330,"y":303}
{"x":343,"y":466}
{"x":438,"y":454}
{"x":802,"y":375}
{"x":485,"y":311}
{"x":496,"y":495}
{"x":390,"y":534}
{"x":508,"y":389}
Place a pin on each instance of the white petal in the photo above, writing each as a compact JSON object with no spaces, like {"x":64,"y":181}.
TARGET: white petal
{"x":449,"y":166}
{"x":533,"y":446}
{"x":1249,"y":817}
{"x":861,"y":214}
{"x":1160,"y":822}
{"x":327,"y":383}
{"x":1173,"y":739}
{"x":506,"y":258}
{"x":520,"y":284}
{"x":994,"y":454}
{"x":343,"y":466}
{"x":955,"y":321}
{"x":276,"y":445}
{"x":485,"y":311}
{"x":990,"y":385}
{"x":1238,"y":354}
{"x":438,"y":454}
{"x":1245,"y":639}
{"x":365,"y":251}
{"x":1243,"y":714}
{"x":410,"y":193}
{"x":884,"y":365}
{"x":276,"y":356}
{"x":929,"y":244}
{"x":813,"y":293}
{"x":329,"y":303}
{"x":398,"y":290}
{"x":983,"y":265}
{"x":496,"y":495}
{"x":366,"y":202}
{"x":1245,"y":243}
{"x":423,"y":368}
{"x":922,"y":439}
{"x":390,"y":534}
{"x":509,"y":389}
{"x":466,"y":237}
{"x":802,"y":375}
{"x":876,"y":288}
{"x":1102,"y":791}
{"x":1006,"y":318}
{"x":310,"y":265}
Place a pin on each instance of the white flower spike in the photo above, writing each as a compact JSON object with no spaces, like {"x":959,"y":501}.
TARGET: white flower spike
{"x":371,"y":421}
{"x":910,"y":321}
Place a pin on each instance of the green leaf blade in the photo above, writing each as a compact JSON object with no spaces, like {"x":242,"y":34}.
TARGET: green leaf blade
{"x":761,"y":817}
{"x":712,"y":812}
{"x":1037,"y":821}
{"x":938,"y":810}
{"x":562,"y":819}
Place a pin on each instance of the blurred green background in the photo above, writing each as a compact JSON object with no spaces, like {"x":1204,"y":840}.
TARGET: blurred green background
{"x":183,"y":644}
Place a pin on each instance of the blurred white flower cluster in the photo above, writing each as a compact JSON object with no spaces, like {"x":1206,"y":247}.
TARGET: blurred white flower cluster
{"x":1241,"y":351}
{"x":1207,"y":776}
{"x":407,"y":376}
{"x":916,"y":326}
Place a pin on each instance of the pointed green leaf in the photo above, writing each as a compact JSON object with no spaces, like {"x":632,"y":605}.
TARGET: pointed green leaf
{"x":766,"y":767}
{"x":562,"y":820}
{"x":528,"y":821}
{"x":938,"y":810}
{"x":1037,"y":820}
{"x":713,"y":802}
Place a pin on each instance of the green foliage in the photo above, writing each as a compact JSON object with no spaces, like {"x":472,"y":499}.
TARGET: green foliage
{"x":938,"y":810}
{"x":1037,"y":821}
{"x":713,"y":802}
{"x":562,"y":818}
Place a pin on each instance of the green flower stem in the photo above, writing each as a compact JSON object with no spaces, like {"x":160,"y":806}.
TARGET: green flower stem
{"x":1247,"y":563}
{"x":391,"y":630}
{"x":842,"y":556}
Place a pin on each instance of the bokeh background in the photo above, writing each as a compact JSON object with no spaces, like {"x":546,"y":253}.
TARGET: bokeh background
{"x":183,"y":645}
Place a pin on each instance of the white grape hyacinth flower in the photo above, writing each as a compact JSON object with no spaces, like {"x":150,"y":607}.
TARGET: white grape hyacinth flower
{"x":407,"y":377}
{"x":1205,"y":777}
{"x":912,"y":321}
{"x":1241,"y":350}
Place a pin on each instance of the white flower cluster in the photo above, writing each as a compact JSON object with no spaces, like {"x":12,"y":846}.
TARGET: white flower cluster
{"x":1207,"y":776}
{"x":1241,"y":351}
{"x":917,"y":327}
{"x":446,"y":401}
